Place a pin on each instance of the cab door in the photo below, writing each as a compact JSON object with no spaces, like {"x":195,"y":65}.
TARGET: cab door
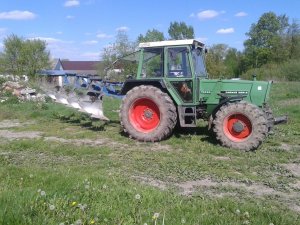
{"x":178,"y":74}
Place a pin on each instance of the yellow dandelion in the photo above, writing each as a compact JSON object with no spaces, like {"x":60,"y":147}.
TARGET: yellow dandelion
{"x":92,"y":222}
{"x":74,"y":203}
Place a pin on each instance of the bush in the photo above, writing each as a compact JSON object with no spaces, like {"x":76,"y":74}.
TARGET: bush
{"x":287,"y":71}
{"x":2,"y":81}
{"x":10,"y":98}
{"x":291,"y":70}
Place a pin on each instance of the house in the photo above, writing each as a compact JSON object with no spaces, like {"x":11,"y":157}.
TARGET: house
{"x":64,"y":71}
{"x":56,"y":77}
{"x":78,"y":67}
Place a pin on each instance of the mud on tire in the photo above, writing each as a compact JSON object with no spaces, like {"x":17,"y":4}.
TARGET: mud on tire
{"x":240,"y":125}
{"x":147,"y":114}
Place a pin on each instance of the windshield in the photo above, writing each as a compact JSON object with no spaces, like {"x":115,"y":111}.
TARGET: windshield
{"x":199,"y":65}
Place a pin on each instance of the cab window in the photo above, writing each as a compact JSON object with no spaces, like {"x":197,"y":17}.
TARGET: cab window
{"x":178,"y":62}
{"x":152,"y":63}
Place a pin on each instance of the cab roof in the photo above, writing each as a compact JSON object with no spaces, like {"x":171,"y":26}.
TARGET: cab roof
{"x":171,"y":43}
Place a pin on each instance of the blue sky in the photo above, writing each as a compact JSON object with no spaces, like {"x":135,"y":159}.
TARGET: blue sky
{"x":80,"y":29}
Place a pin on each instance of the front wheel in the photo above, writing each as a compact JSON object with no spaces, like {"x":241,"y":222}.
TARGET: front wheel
{"x":240,"y":125}
{"x":148,"y":114}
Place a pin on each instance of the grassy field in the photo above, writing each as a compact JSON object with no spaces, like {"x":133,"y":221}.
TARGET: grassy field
{"x":59,"y":167}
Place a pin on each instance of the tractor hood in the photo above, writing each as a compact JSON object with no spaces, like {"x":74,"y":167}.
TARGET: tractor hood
{"x":255,"y":92}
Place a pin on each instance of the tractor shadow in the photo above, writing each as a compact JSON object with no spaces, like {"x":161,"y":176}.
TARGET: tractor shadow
{"x":97,"y":125}
{"x":87,"y":122}
{"x":202,"y":132}
{"x":186,"y":133}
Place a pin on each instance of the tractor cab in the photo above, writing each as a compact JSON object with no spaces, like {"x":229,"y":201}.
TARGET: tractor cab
{"x":175,"y":65}
{"x":172,"y":59}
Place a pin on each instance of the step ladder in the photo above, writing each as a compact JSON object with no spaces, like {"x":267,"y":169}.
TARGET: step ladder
{"x":187,"y":116}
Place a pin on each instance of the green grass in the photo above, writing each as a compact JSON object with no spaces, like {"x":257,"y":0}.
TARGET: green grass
{"x":94,"y":174}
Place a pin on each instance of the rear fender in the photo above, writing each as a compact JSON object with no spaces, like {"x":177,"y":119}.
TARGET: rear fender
{"x":129,"y":84}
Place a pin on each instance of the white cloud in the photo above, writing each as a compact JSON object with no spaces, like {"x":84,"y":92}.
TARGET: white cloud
{"x":71,"y":3}
{"x":208,"y":14}
{"x":59,"y":32}
{"x":225,"y":30}
{"x":17,"y":15}
{"x":67,"y":49}
{"x":103,"y":36}
{"x":60,"y":48}
{"x":240,"y":14}
{"x":123,"y":28}
{"x":92,"y":42}
{"x":49,"y":40}
{"x":70,"y":17}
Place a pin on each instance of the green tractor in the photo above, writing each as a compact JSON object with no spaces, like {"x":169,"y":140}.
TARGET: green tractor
{"x":172,"y":87}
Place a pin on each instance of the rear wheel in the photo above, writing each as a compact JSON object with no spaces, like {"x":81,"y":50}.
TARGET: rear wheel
{"x":240,"y":125}
{"x":148,"y":114}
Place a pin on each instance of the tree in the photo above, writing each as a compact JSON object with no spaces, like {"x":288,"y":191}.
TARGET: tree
{"x":215,"y":60}
{"x":120,"y":48}
{"x":151,"y":35}
{"x":264,"y":44}
{"x":24,"y":56}
{"x":232,"y":62}
{"x":37,"y":56}
{"x":223,"y":61}
{"x":2,"y":63}
{"x":12,"y":54}
{"x":179,"y":31}
{"x":293,"y":35}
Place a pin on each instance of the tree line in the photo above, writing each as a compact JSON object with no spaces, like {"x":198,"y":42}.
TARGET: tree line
{"x":271,"y":51}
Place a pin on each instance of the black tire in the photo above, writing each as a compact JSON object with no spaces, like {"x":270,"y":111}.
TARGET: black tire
{"x":240,"y":125}
{"x":148,"y":114}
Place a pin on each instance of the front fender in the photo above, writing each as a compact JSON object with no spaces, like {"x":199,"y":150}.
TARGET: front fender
{"x":237,"y":98}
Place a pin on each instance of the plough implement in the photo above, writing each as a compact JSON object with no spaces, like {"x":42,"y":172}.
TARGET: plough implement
{"x":85,"y":93}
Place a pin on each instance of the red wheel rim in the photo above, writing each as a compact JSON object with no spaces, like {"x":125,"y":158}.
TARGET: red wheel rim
{"x":144,"y":115}
{"x":237,"y":127}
